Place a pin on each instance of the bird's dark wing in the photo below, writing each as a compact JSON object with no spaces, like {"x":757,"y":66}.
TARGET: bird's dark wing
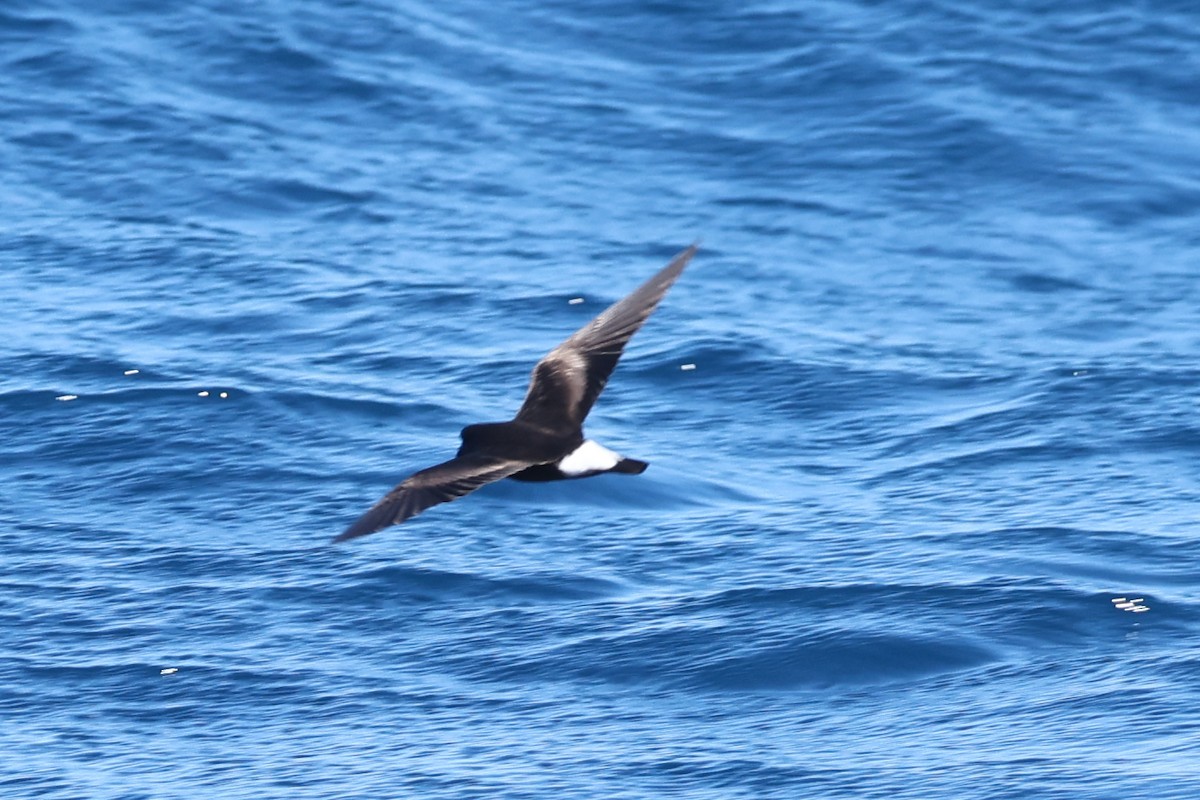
{"x":440,"y":484}
{"x":566,"y":383}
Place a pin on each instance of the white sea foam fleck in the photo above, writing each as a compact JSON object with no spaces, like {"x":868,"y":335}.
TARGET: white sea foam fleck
{"x":66,"y":397}
{"x":1136,"y":605}
{"x":132,"y":371}
{"x":204,"y":394}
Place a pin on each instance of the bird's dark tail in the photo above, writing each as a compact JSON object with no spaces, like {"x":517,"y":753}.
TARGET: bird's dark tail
{"x":630,"y":466}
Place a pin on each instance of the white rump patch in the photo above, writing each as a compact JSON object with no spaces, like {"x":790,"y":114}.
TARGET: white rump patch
{"x":589,"y":457}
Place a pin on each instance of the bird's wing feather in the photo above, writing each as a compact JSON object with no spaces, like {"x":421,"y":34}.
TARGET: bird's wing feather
{"x":429,"y":487}
{"x":566,"y":383}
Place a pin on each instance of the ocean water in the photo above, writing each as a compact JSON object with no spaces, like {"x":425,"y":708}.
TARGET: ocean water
{"x":260,"y":261}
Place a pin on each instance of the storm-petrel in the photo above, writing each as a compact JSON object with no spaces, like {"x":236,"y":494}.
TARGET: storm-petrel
{"x":544,"y":442}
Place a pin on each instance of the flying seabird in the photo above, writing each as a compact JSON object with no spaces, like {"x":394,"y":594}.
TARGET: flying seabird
{"x":544,"y":441}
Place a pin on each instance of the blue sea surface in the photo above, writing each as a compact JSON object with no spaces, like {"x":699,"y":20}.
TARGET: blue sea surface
{"x":922,"y":517}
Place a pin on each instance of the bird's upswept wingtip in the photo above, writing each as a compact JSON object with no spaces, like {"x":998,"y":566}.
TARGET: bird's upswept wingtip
{"x":685,"y":255}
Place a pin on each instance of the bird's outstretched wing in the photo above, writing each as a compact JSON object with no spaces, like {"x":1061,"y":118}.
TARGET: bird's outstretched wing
{"x":566,"y":383}
{"x":440,"y":484}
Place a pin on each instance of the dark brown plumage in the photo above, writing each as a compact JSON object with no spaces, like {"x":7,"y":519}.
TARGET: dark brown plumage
{"x":545,"y":440}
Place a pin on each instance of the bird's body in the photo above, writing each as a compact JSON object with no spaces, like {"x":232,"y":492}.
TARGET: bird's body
{"x":590,"y":458}
{"x":518,"y":440}
{"x":545,"y":440}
